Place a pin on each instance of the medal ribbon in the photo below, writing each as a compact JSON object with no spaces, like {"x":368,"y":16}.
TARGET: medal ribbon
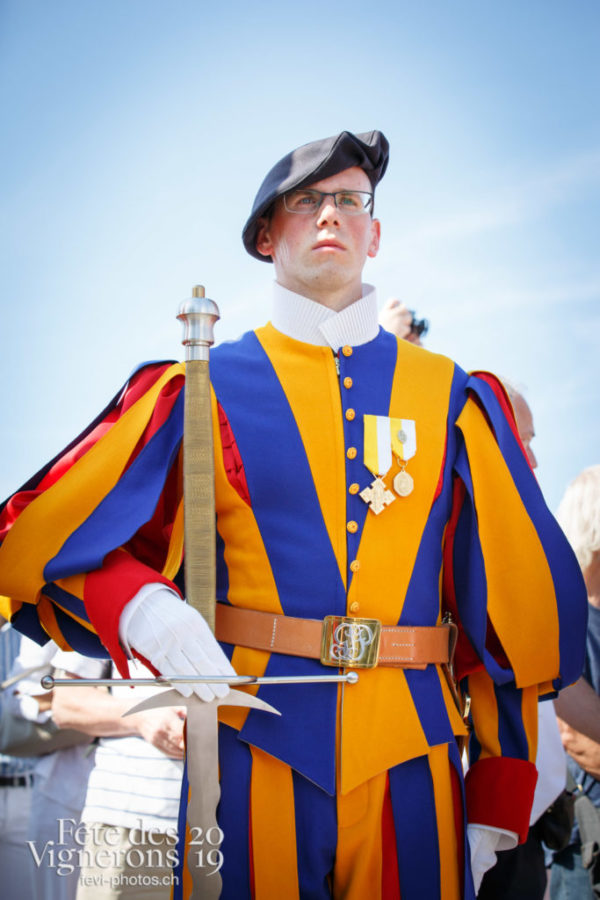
{"x":378,"y":448}
{"x":403,"y":438}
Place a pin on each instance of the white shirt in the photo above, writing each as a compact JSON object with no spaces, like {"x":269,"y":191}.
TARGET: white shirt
{"x":551,"y":761}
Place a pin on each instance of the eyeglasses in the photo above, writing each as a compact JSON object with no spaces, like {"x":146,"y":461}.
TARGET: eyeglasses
{"x":307,"y":202}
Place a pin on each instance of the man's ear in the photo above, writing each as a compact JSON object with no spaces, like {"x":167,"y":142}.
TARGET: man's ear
{"x":375,"y":237}
{"x":263,"y":238}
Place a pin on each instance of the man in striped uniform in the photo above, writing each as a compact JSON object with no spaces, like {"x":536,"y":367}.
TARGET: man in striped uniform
{"x":366,"y":491}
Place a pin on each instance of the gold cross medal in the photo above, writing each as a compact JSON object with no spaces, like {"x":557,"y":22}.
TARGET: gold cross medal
{"x":404,"y":445}
{"x":378,"y":460}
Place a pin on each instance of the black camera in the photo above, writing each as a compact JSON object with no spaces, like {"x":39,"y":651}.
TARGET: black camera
{"x":419,"y":327}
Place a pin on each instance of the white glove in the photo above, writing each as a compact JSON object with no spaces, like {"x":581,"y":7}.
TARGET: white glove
{"x":175,"y":639}
{"x":484,"y":841}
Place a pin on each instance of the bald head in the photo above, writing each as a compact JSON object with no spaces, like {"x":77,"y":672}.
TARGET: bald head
{"x":579,"y":516}
{"x":523,"y":418}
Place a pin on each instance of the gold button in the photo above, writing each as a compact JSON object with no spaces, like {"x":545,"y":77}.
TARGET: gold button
{"x":354,"y":607}
{"x":354,"y":567}
{"x":347,"y":382}
{"x":352,"y":527}
{"x":346,"y":350}
{"x":350,"y":414}
{"x":351,"y":452}
{"x":354,"y":488}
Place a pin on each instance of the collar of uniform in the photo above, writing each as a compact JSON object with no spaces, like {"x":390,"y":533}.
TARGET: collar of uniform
{"x":312,"y":323}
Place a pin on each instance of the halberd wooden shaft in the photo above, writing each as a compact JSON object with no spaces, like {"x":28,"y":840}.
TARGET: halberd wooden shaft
{"x":199,"y":492}
{"x":199,"y":314}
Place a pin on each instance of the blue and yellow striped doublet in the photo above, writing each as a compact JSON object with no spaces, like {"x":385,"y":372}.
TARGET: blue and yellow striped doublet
{"x":359,"y":788}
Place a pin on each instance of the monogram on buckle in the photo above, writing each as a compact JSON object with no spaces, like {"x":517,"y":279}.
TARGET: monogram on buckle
{"x":353,"y":643}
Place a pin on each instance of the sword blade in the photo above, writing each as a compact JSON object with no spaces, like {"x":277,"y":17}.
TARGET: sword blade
{"x":202,"y":745}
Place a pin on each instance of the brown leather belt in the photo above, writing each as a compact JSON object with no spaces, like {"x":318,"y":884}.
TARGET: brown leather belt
{"x":337,"y":640}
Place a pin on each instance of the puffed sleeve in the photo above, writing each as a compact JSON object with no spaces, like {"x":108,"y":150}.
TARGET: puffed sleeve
{"x":99,"y":521}
{"x":515,"y":588}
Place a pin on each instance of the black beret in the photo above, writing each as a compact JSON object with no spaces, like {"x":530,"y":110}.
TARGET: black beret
{"x":313,"y":162}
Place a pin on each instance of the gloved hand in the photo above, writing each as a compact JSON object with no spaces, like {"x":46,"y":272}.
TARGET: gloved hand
{"x":484,"y":842}
{"x":175,"y":639}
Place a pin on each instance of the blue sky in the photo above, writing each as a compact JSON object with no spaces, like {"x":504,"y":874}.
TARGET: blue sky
{"x":135,"y":135}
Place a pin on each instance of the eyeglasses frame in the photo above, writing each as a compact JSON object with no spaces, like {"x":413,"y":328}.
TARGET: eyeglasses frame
{"x":367,"y":209}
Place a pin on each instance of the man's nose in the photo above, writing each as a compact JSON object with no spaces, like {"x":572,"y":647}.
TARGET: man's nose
{"x":328,"y":212}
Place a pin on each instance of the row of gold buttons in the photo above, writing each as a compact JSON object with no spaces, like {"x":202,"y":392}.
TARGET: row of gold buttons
{"x":354,"y":488}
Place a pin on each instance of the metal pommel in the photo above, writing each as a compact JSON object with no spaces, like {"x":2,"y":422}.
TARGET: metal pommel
{"x":198,"y":315}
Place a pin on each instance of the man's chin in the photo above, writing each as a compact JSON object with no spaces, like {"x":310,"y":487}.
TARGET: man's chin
{"x":331,"y":269}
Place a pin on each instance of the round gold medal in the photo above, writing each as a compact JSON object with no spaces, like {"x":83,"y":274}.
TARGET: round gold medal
{"x":403,"y":484}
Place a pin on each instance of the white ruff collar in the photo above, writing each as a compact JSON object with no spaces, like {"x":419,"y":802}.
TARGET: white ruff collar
{"x":312,"y":323}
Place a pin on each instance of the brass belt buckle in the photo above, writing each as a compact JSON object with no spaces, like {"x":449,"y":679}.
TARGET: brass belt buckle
{"x":349,"y":642}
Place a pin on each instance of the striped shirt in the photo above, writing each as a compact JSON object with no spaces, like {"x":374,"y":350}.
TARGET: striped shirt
{"x":132,"y":783}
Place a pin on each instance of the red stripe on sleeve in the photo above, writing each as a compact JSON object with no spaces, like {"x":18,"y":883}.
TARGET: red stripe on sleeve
{"x":232,"y":459}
